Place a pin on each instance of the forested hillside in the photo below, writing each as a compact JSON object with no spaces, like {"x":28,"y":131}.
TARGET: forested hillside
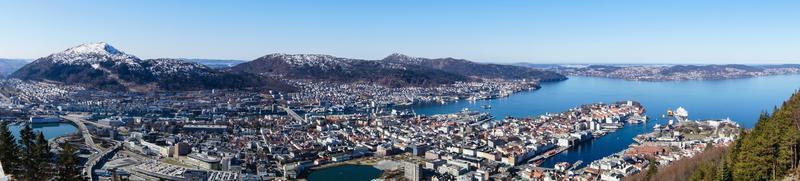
{"x":770,"y":150}
{"x":767,"y":152}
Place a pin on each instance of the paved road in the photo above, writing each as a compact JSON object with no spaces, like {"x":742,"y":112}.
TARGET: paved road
{"x":87,"y":122}
{"x":293,"y":114}
{"x":4,"y":98}
{"x":95,"y":158}
{"x":99,"y":152}
{"x":84,"y":131}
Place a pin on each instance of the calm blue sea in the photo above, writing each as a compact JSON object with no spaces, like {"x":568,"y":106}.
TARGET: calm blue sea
{"x":740,"y":100}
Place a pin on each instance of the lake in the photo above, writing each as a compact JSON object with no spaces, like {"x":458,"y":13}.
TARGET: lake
{"x":741,"y":100}
{"x":345,"y":173}
{"x":50,"y":130}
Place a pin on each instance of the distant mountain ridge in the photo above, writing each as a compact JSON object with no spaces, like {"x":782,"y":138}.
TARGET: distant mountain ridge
{"x":101,"y":66}
{"x":473,"y":69}
{"x":394,"y":70}
{"x":337,"y":69}
{"x":673,"y":72}
{"x":8,"y":66}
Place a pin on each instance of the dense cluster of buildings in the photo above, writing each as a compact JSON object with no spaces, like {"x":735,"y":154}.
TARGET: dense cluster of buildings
{"x":464,"y":144}
{"x":266,"y":135}
{"x":23,"y":97}
{"x":337,"y":97}
{"x":245,"y":132}
{"x":666,"y":144}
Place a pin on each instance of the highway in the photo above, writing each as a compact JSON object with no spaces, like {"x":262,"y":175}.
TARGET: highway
{"x":95,"y":158}
{"x":89,"y":141}
{"x":77,"y":118}
{"x":99,"y":152}
{"x":293,"y":114}
{"x":4,"y":98}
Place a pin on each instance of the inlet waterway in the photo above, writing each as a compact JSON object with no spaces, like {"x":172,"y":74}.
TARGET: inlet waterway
{"x":741,"y":100}
{"x":49,"y":130}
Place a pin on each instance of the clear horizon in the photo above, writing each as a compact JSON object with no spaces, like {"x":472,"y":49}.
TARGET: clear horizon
{"x":540,"y":32}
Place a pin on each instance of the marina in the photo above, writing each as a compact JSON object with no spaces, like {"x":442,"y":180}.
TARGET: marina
{"x":702,"y":97}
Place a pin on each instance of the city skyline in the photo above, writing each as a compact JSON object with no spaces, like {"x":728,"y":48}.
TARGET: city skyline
{"x":686,"y":32}
{"x":358,"y":90}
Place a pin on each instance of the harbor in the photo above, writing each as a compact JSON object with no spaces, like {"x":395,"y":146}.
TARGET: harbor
{"x":655,"y":96}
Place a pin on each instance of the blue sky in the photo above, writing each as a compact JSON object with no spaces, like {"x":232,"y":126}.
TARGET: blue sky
{"x":592,"y":31}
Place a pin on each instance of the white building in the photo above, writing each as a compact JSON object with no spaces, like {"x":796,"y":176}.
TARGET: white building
{"x":681,"y":114}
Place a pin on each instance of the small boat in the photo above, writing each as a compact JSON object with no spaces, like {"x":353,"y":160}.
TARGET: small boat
{"x":486,"y":106}
{"x":538,"y":162}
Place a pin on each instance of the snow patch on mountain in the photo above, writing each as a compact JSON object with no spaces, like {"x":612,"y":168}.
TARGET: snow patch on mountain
{"x":101,"y":55}
{"x":92,"y":53}
{"x":174,"y":67}
{"x":325,"y":62}
{"x":401,"y":58}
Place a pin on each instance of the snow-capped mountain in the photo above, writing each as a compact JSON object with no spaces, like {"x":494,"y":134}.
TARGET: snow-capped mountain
{"x":325,"y":62}
{"x":174,"y":67}
{"x":395,"y":69}
{"x":92,"y":53}
{"x":331,"y":68}
{"x":402,"y":58}
{"x":101,"y":66}
{"x":473,"y":69}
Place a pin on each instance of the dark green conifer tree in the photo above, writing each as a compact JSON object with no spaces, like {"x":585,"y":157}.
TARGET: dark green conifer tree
{"x":42,"y":158}
{"x":652,"y":169}
{"x":68,"y":164}
{"x":8,"y":150}
{"x":27,"y":154}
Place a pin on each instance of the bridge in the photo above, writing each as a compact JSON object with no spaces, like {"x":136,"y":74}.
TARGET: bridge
{"x":99,"y":153}
{"x":89,"y":141}
{"x":78,"y":118}
{"x":293,"y":114}
{"x":4,"y":98}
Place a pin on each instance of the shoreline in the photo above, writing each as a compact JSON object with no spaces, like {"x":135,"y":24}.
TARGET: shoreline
{"x":676,"y":80}
{"x":359,"y":161}
{"x":372,"y":161}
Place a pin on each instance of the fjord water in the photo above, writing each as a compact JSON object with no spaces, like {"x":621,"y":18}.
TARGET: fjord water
{"x":50,"y":130}
{"x":741,"y":100}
